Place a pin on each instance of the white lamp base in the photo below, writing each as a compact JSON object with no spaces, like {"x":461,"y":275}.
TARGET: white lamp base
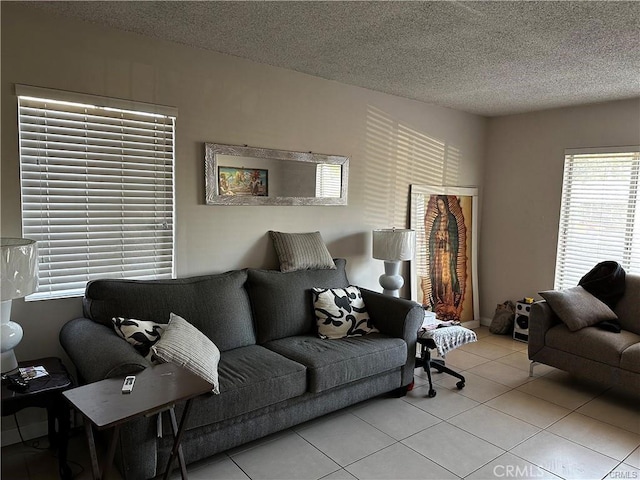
{"x":10,"y":336}
{"x":391,"y":281}
{"x":8,"y":362}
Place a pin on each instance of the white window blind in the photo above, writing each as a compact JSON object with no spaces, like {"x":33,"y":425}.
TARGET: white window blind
{"x":600,"y":212}
{"x":328,"y":180}
{"x":97,"y":188}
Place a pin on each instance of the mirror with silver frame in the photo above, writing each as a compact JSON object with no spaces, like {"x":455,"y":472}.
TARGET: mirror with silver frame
{"x":242,"y":175}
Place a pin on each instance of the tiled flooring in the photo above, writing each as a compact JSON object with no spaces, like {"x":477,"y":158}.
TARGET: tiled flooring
{"x":503,"y":424}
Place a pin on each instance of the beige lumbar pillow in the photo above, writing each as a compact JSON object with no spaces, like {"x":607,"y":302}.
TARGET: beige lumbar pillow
{"x":185,"y":345}
{"x":577,"y":308}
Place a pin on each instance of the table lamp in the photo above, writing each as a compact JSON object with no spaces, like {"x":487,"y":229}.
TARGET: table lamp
{"x":19,"y":277}
{"x":393,"y":246}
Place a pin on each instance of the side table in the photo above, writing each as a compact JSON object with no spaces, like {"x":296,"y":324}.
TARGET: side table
{"x":156,"y":389}
{"x":46,"y":392}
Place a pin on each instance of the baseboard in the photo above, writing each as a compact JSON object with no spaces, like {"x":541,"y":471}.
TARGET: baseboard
{"x":485,"y":321}
{"x":29,"y":432}
{"x":472,"y":324}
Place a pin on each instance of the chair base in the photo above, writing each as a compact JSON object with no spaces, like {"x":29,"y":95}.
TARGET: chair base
{"x":427,"y":363}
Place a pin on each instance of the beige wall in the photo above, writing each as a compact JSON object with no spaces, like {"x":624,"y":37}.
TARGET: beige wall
{"x":228,"y":100}
{"x":522,"y":187}
{"x":392,"y":142}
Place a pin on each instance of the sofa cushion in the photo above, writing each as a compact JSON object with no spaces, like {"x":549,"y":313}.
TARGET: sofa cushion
{"x":628,"y":307}
{"x":183,"y":344}
{"x":577,"y":308}
{"x":591,"y":342}
{"x":341,"y":312}
{"x":281,"y":301}
{"x":631,"y":358}
{"x":250,"y":378}
{"x":331,"y":363}
{"x":217,"y":305}
{"x":301,"y":251}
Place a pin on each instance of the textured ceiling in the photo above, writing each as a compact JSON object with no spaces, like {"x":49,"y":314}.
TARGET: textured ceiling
{"x":488,"y":58}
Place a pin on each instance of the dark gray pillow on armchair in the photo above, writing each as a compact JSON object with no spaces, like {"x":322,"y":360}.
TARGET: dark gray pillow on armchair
{"x":577,"y":308}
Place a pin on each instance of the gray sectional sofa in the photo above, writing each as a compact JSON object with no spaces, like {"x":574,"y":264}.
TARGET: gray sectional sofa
{"x":274,"y":371}
{"x":604,"y":356}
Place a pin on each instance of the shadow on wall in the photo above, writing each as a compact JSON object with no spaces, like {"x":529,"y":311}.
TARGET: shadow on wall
{"x":262,"y":254}
{"x":353,"y":247}
{"x":398,"y":156}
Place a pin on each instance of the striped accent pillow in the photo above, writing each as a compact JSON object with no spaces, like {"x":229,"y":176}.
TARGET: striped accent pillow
{"x":185,"y":345}
{"x":301,"y":251}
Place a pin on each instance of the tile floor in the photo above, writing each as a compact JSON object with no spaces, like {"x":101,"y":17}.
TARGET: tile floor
{"x":503,"y":424}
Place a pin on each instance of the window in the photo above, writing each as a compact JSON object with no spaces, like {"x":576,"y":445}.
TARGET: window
{"x":97,"y":188}
{"x":600,"y":212}
{"x":328,"y":180}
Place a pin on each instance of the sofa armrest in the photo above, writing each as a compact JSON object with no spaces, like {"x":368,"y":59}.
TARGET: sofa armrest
{"x":97,"y":352}
{"x":541,"y":319}
{"x":398,"y":318}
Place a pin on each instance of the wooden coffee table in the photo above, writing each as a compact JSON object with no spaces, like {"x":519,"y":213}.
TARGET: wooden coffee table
{"x":156,"y":389}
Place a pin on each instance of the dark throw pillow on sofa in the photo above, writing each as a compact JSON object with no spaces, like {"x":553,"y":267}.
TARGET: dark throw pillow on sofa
{"x":606,"y":282}
{"x":577,"y":308}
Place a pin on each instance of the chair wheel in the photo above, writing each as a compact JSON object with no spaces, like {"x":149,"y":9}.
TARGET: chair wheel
{"x":432,"y":393}
{"x":460,"y":385}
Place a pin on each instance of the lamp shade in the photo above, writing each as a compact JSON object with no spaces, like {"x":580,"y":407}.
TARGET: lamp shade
{"x":19,"y":267}
{"x":394,"y":245}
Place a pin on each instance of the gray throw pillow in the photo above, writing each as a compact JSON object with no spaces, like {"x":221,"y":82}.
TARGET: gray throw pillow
{"x":577,"y":308}
{"x":301,"y":251}
{"x":185,"y":345}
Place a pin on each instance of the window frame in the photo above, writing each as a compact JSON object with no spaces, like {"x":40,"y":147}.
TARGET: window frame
{"x":97,"y":188}
{"x":599,"y":212}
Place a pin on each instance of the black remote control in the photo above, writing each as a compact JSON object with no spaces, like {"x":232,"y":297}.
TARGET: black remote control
{"x":15,"y":383}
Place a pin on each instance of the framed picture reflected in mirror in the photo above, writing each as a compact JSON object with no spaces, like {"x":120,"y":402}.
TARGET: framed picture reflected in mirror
{"x":243,"y":181}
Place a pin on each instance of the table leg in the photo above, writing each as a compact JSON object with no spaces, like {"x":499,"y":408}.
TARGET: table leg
{"x":95,"y":468}
{"x":177,"y":449}
{"x":112,"y":451}
{"x":63,"y":414}
{"x":52,"y":413}
{"x":174,"y":429}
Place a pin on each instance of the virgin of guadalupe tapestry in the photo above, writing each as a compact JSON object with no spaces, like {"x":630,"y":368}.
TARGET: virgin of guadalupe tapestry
{"x":444,"y":268}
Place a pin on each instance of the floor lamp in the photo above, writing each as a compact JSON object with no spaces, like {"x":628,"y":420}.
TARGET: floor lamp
{"x":393,"y":246}
{"x":19,"y":277}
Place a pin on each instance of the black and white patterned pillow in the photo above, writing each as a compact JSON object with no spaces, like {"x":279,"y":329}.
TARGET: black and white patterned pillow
{"x":341,"y":312}
{"x":142,"y":334}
